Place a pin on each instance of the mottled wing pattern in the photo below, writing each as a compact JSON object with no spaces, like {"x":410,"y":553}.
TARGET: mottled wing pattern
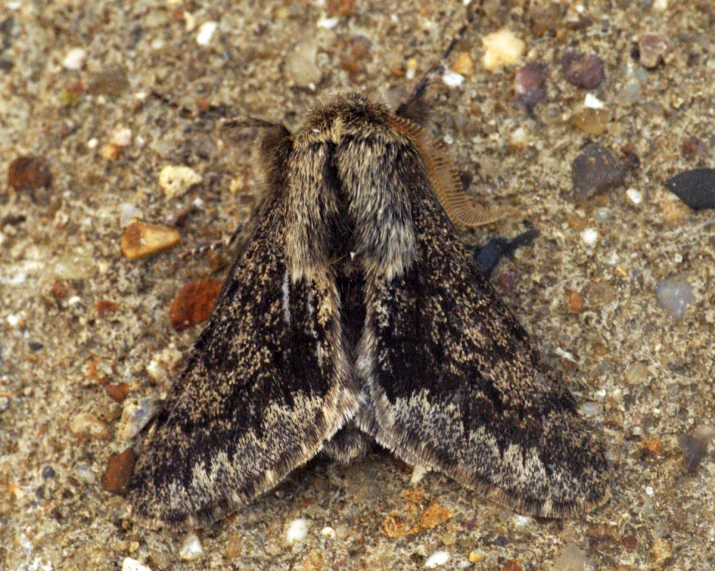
{"x":266,"y":385}
{"x":453,"y":383}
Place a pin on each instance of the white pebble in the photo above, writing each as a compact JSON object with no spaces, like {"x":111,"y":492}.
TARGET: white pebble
{"x":571,"y":558}
{"x":84,"y":473}
{"x":74,"y":59}
{"x":660,"y":5}
{"x":452,"y":78}
{"x":589,"y":236}
{"x":130,"y":564}
{"x":136,"y":416}
{"x":121,"y":137}
{"x":191,"y":549}
{"x":301,"y":64}
{"x":592,"y":102}
{"x":328,"y":23}
{"x":175,"y":180}
{"x":437,"y":559}
{"x":297,"y":531}
{"x":649,"y":491}
{"x":206,"y":32}
{"x":501,"y":48}
{"x":92,"y":143}
{"x":128,"y":213}
{"x":14,"y":320}
{"x":634,"y":196}
{"x":328,"y":532}
{"x":522,"y":521}
{"x":519,"y":138}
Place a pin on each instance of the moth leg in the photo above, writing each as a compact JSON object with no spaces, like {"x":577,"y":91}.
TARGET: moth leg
{"x":348,"y":445}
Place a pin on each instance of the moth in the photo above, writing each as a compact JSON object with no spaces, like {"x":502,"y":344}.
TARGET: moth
{"x":354,"y":313}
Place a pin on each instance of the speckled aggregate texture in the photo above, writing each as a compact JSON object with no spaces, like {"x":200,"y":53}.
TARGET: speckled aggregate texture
{"x":641,"y":374}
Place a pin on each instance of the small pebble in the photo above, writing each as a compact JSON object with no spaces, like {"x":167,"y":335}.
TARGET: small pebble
{"x":194,"y":303}
{"x":571,"y":558}
{"x":175,"y":180}
{"x":128,"y":213}
{"x":301,"y":64}
{"x":464,"y":64}
{"x":693,"y":147}
{"x":634,"y":196}
{"x":592,"y":102}
{"x":694,"y":450}
{"x":121,"y":137}
{"x":74,"y":59}
{"x":88,"y":426}
{"x":328,"y":23}
{"x":662,"y":550}
{"x":452,"y":78}
{"x":437,"y":559}
{"x":48,"y":472}
{"x":130,"y":564}
{"x":136,"y":415}
{"x":190,"y":548}
{"x":163,"y":362}
{"x":141,"y":240}
{"x":545,"y":17}
{"x":112,"y":82}
{"x":530,"y":85}
{"x":593,"y":171}
{"x":73,"y":267}
{"x":519,"y":138}
{"x":584,"y":71}
{"x":674,"y":295}
{"x":636,"y":373}
{"x":328,"y":532}
{"x":117,"y":392}
{"x":591,"y":408}
{"x":694,"y":187}
{"x":109,"y":152}
{"x":297,"y":531}
{"x":29,"y":173}
{"x":119,"y":472}
{"x":652,"y":47}
{"x":206,"y":32}
{"x":591,"y":120}
{"x":105,"y":307}
{"x":340,"y":7}
{"x":501,"y":48}
{"x":589,"y":236}
{"x":85,"y":474}
{"x":575,"y":301}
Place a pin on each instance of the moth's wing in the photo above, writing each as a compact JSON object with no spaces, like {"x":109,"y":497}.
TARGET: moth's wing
{"x":453,"y":382}
{"x":266,"y":385}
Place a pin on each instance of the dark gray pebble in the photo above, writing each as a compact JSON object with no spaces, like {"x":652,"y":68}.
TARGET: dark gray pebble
{"x":695,"y":187}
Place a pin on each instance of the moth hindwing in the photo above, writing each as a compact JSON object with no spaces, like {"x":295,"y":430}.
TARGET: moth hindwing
{"x":355,"y":312}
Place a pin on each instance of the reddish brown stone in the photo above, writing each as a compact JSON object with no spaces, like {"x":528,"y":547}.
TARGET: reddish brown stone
{"x":511,"y":565}
{"x":104,"y":307}
{"x":340,"y":7}
{"x":29,"y":173}
{"x":194,"y":303}
{"x":117,"y":392}
{"x":629,"y":542}
{"x":575,"y":301}
{"x":119,"y":471}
